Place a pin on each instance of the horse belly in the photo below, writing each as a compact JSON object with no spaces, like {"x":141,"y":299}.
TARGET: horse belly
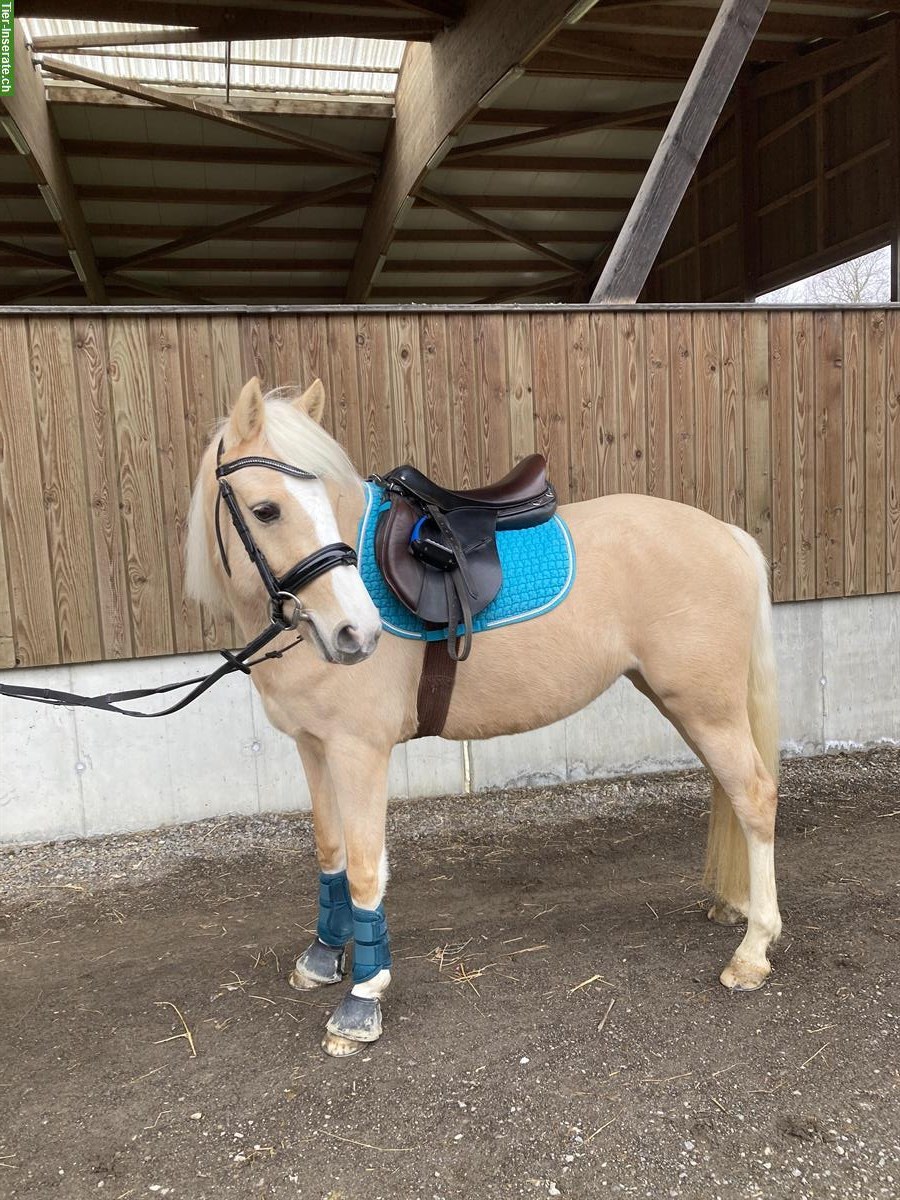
{"x":529,"y":675}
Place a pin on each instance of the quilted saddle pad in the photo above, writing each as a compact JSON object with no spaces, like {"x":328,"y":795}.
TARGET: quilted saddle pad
{"x":538,"y":572}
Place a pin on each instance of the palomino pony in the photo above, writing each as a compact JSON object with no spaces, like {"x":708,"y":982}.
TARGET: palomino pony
{"x":664,"y":594}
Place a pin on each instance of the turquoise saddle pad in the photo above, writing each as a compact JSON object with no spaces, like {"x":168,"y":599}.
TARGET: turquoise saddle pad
{"x":538,"y":571}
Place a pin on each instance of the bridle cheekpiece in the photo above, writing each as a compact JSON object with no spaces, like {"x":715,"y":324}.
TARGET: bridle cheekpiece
{"x":280,"y":588}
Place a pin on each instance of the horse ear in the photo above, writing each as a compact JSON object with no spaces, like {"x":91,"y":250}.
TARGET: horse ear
{"x":312,"y":402}
{"x":248,"y":414}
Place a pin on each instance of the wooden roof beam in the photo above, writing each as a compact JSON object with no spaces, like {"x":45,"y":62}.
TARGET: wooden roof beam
{"x":508,"y":235}
{"x":279,"y":265}
{"x":531,"y":289}
{"x":652,"y":117}
{"x":212,"y":112}
{"x":440,"y":88}
{"x":35,"y":256}
{"x":691,"y":18}
{"x":286,"y":104}
{"x":663,"y":46}
{"x":195,"y":237}
{"x":293,"y":233}
{"x":662,"y":190}
{"x":27,"y":119}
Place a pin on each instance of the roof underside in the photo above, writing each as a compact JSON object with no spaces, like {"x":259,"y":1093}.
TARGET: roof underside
{"x":147,"y":175}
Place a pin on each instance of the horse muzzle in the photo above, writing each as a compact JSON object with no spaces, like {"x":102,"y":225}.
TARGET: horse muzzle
{"x":347,"y":645}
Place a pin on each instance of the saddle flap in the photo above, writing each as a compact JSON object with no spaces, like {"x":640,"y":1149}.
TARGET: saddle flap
{"x":423,"y":589}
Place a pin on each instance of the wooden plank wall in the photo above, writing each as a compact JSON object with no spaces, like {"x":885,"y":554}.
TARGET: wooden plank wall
{"x":802,"y":172}
{"x":787,"y":423}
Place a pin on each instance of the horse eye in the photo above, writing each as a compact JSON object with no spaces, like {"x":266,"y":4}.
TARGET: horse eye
{"x":267,"y":512}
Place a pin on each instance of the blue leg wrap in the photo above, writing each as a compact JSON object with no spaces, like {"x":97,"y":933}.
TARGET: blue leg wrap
{"x":371,"y":945}
{"x":335,"y":927}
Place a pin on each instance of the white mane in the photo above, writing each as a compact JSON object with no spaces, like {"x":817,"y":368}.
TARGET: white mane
{"x":293,"y":437}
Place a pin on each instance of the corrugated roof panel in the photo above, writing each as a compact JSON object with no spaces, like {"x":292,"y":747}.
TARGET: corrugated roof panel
{"x":337,"y":66}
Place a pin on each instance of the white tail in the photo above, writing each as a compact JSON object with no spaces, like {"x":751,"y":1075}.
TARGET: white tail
{"x":727,"y":867}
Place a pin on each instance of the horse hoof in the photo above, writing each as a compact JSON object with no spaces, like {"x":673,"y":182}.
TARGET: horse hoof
{"x":340,"y":1047}
{"x":318,"y":966}
{"x":724,"y":913}
{"x":743,"y":976}
{"x":356,"y":1019}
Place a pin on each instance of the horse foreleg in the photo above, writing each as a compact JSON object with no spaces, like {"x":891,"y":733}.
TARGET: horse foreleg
{"x":323,"y":961}
{"x":359,"y":776}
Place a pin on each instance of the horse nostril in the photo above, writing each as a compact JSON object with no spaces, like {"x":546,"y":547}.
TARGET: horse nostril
{"x":348,"y":639}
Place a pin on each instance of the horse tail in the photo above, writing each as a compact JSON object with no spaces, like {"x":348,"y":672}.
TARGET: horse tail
{"x":727,"y":867}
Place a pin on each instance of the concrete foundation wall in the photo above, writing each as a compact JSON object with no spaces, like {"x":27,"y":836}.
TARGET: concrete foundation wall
{"x":74,"y":772}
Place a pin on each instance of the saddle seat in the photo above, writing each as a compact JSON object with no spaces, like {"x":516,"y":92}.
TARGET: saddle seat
{"x":519,"y":498}
{"x":436,"y":548}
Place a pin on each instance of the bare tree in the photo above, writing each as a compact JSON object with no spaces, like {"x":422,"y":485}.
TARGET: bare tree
{"x":865,"y":280}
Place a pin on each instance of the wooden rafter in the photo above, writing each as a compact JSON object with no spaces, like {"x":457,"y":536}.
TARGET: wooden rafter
{"x":691,"y":18}
{"x":378,"y":108}
{"x":564,"y":163}
{"x":657,"y":46}
{"x":501,"y":231}
{"x":259,"y":156}
{"x":439,"y":90}
{"x":271,"y":156}
{"x":281,"y":265}
{"x":27,"y":119}
{"x":448,"y":10}
{"x":675,"y":162}
{"x":288,"y":233}
{"x":36,"y":256}
{"x":531,"y":289}
{"x":554,"y":64}
{"x":194,"y":237}
{"x":164,"y":290}
{"x":127,"y":193}
{"x":212,"y":112}
{"x":32,"y":291}
{"x":652,"y":117}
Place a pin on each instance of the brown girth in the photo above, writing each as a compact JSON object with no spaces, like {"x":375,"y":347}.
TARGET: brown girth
{"x":435,"y":689}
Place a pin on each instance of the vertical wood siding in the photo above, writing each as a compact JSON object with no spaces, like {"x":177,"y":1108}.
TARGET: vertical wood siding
{"x":787,"y":423}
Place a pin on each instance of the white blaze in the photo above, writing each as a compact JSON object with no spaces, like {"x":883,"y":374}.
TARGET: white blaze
{"x":349,"y":589}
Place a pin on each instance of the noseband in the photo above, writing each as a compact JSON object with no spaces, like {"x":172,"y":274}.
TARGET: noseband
{"x":281,"y":588}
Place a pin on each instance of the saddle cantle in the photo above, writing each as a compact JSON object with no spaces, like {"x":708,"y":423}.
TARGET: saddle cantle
{"x":437,"y":549}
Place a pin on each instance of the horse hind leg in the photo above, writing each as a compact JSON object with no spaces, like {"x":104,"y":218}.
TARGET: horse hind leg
{"x":728,"y":909}
{"x":741,"y":855}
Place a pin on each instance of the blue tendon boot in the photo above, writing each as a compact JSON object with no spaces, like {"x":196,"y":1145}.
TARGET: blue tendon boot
{"x":324,"y":961}
{"x":357,"y":1019}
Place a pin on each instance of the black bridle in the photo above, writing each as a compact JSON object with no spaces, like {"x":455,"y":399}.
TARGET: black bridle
{"x":280,"y":588}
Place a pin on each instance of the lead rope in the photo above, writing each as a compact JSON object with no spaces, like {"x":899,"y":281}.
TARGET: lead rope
{"x":110,"y":701}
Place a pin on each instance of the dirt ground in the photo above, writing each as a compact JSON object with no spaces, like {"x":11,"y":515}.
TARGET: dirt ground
{"x":555,"y":1026}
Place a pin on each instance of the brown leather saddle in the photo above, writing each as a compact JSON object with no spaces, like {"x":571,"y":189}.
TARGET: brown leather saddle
{"x":438,"y":553}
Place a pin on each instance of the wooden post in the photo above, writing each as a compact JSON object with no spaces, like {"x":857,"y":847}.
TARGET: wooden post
{"x":27,"y":119}
{"x":677,"y":155}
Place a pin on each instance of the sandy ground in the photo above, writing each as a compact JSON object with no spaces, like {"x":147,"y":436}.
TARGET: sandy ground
{"x":555,"y":1026}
